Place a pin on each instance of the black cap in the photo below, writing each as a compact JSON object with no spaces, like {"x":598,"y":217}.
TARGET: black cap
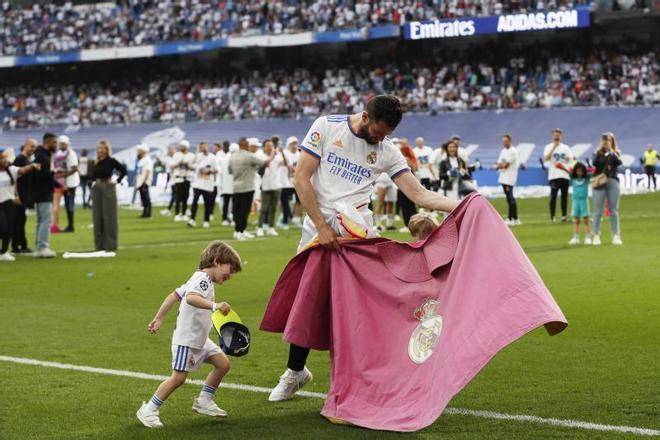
{"x":234,"y":339}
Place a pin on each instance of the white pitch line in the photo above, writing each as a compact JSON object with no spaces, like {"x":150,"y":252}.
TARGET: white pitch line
{"x":567,"y":423}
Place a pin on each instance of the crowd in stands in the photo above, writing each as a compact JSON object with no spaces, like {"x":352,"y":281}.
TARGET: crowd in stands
{"x":48,"y":27}
{"x":599,"y":80}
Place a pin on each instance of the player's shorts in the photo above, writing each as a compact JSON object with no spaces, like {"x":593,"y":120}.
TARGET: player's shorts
{"x":580,"y":208}
{"x":190,"y":359}
{"x":390,"y":195}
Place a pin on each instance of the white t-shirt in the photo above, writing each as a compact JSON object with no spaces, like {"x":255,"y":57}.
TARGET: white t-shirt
{"x":205,"y":162}
{"x":563,"y":155}
{"x":218,"y":166}
{"x":73,"y":180}
{"x":83,"y":165}
{"x":424,"y":157}
{"x":272,"y":178}
{"x":288,"y":179}
{"x":7,"y":187}
{"x":509,"y":176}
{"x":145,"y":171}
{"x":183,"y":166}
{"x":349,"y":166}
{"x":193,"y":324}
{"x":227,"y":179}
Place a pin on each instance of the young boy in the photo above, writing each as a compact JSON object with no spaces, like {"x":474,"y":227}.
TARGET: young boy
{"x":191,"y":345}
{"x":421,"y":225}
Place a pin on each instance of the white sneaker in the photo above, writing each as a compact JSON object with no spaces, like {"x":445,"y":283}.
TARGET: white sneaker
{"x":283,"y":226}
{"x":178,"y":218}
{"x":260,"y":232}
{"x":508,"y":222}
{"x":595,"y":240}
{"x":165,"y":213}
{"x":186,"y":217}
{"x":272,"y":232}
{"x":290,"y":382}
{"x":226,"y":223}
{"x":248,"y":234}
{"x":206,"y":225}
{"x":7,"y":257}
{"x":211,"y":217}
{"x":149,"y":418}
{"x":208,"y":407}
{"x":404,"y":230}
{"x":235,"y":234}
{"x":616,"y":240}
{"x":240,"y":236}
{"x":517,"y":222}
{"x":397,"y":218}
{"x":44,"y":253}
{"x":587,"y":240}
{"x":192,"y":223}
{"x":575,"y":240}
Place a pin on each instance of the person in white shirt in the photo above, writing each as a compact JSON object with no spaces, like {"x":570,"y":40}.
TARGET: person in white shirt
{"x":341,"y":158}
{"x":9,"y":174}
{"x":227,"y":185}
{"x":291,"y":155}
{"x":183,"y":163}
{"x":168,"y":162}
{"x":424,"y":156}
{"x":145,"y":173}
{"x":559,"y":158}
{"x":507,"y":165}
{"x":203,"y":184}
{"x":71,"y":178}
{"x":191,"y":345}
{"x":256,"y":149}
{"x":271,"y":185}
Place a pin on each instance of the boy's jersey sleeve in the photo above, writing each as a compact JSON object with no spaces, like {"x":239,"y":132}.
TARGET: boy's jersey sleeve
{"x":313,"y":141}
{"x":181,"y":291}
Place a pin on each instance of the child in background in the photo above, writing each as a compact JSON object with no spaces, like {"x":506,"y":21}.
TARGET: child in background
{"x":421,"y":225}
{"x":191,"y":345}
{"x":580,"y":201}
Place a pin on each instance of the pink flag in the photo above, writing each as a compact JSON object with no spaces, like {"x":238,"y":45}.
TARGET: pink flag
{"x":408,"y":325}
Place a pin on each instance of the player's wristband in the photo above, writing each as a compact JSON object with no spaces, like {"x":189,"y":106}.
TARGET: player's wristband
{"x":214,"y":307}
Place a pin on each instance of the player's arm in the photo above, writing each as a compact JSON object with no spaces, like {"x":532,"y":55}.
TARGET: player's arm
{"x":197,"y":300}
{"x":307,"y":166}
{"x":164,"y":309}
{"x":548,"y":155}
{"x":422,"y":197}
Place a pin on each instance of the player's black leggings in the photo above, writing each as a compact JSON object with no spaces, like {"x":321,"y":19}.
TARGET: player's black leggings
{"x":242,"y":206}
{"x":6,"y":224}
{"x":650,"y":173}
{"x":511,"y":201}
{"x":408,"y":208}
{"x":207,"y":196}
{"x":557,"y":185}
{"x":285,"y":201}
{"x":226,"y":201}
{"x":182,"y":192}
{"x":297,"y":357}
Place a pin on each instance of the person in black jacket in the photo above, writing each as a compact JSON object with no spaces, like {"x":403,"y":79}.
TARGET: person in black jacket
{"x":104,"y":197}
{"x":25,"y":188}
{"x":44,"y":184}
{"x":454,"y":174}
{"x":606,"y":161}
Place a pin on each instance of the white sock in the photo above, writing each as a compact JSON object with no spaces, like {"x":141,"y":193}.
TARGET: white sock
{"x":389,"y":220}
{"x":207,"y":392}
{"x":154,"y":403}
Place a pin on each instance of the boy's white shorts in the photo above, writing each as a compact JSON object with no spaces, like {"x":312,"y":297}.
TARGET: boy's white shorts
{"x":190,"y":359}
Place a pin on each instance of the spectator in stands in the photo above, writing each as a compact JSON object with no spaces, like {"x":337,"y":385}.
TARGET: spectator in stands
{"x":203,"y":183}
{"x":650,"y":161}
{"x":559,"y":158}
{"x":104,"y":197}
{"x":507,"y":165}
{"x":25,"y":189}
{"x":9,"y":174}
{"x":606,"y":162}
{"x":271,"y":185}
{"x":84,"y":170}
{"x":44,"y":185}
{"x":66,"y":171}
{"x":144,"y":177}
{"x":243,"y":166}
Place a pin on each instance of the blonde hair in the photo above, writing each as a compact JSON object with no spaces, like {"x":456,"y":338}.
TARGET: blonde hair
{"x":421,"y":225}
{"x":103,"y":143}
{"x":219,"y":252}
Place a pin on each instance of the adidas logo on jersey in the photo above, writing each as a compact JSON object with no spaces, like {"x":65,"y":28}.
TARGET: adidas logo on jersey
{"x":338,"y":143}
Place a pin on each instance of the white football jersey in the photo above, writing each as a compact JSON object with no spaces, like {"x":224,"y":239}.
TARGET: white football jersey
{"x":227,"y":186}
{"x":562,"y":154}
{"x":349,"y":165}
{"x":206,"y":163}
{"x":509,"y":175}
{"x":424,"y":156}
{"x":288,"y":179}
{"x":193,"y":324}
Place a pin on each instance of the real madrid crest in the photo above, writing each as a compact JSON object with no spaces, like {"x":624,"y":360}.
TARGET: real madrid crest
{"x":427,"y":334}
{"x":371,"y":158}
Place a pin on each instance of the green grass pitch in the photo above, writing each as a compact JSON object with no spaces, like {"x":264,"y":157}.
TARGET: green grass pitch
{"x":604,"y":368}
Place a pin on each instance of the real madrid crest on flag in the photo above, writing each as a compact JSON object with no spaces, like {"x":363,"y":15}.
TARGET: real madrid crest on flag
{"x":426,"y":335}
{"x":371,"y":158}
